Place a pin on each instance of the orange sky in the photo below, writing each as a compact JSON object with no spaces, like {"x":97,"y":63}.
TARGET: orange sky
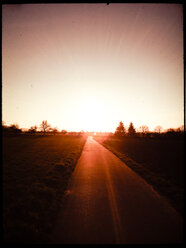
{"x":89,"y":66}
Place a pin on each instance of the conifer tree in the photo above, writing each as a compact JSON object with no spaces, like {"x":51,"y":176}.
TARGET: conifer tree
{"x":120,"y":130}
{"x":131,"y":129}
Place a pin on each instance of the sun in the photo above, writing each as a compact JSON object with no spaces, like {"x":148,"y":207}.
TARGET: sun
{"x":93,"y":114}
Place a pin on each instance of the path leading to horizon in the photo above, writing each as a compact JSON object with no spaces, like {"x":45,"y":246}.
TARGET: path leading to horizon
{"x":108,"y":203}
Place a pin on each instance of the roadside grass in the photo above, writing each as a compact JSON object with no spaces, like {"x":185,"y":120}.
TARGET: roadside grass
{"x":158,"y":168}
{"x":36,"y":171}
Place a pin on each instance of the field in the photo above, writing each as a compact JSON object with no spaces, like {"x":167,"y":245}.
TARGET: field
{"x":36,"y":170}
{"x":158,"y":160}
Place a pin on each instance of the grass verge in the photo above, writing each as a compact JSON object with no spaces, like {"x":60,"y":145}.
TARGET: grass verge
{"x":165,"y":187}
{"x":36,"y":171}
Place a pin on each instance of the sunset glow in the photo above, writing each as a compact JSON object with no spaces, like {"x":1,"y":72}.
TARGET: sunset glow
{"x":89,"y":66}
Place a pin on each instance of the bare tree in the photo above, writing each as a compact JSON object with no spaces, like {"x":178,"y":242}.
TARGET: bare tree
{"x":44,"y":126}
{"x":144,"y":129}
{"x":158,"y":129}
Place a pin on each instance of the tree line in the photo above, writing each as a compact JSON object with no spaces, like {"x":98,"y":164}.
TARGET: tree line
{"x":122,"y":131}
{"x":44,"y":128}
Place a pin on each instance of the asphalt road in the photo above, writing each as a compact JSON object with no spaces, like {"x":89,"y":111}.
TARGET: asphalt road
{"x":108,"y":203}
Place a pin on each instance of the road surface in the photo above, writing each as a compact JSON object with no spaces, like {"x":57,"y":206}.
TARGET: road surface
{"x":108,"y":203}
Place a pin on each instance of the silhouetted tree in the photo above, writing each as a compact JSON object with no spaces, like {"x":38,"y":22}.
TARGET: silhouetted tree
{"x":5,"y":128}
{"x":44,"y":126}
{"x":33,"y":129}
{"x":144,"y":129}
{"x":63,"y":131}
{"x":180,"y":129}
{"x":14,"y":128}
{"x":171,"y":130}
{"x":158,"y":129}
{"x":120,"y":130}
{"x":54,"y":130}
{"x":131,"y":130}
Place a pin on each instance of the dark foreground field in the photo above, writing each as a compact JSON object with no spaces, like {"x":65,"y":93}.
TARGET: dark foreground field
{"x":36,"y":170}
{"x":158,"y":160}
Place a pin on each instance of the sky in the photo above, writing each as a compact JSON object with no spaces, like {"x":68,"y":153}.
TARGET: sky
{"x":90,"y":66}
